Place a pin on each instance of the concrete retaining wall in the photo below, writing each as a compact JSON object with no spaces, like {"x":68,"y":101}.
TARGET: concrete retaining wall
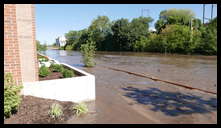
{"x":75,"y":89}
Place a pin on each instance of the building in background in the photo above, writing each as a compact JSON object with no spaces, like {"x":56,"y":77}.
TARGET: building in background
{"x":60,"y":41}
{"x":20,"y":54}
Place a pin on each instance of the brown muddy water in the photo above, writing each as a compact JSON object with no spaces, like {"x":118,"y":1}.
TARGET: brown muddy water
{"x":125,"y":98}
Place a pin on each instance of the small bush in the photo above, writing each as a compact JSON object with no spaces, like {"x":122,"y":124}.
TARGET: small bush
{"x":80,"y":109}
{"x":67,"y":73}
{"x":12,"y":99}
{"x":88,"y":52}
{"x":42,"y":59}
{"x":61,"y":48}
{"x":56,"y":68}
{"x":68,"y":47}
{"x":44,"y":71}
{"x":55,"y":111}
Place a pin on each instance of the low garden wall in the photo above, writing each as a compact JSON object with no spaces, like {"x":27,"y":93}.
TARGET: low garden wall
{"x":75,"y":89}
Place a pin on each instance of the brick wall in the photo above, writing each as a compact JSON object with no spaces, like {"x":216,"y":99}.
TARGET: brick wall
{"x":11,"y":46}
{"x":34,"y":42}
{"x":20,"y":55}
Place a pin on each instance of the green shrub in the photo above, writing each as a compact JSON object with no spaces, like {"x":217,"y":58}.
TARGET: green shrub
{"x":67,"y":73}
{"x":88,"y":52}
{"x":208,"y":40}
{"x":42,"y":60}
{"x":55,"y":111}
{"x":61,"y":48}
{"x":12,"y":99}
{"x":80,"y":109}
{"x":41,"y":47}
{"x":44,"y":71}
{"x":141,"y":44}
{"x":68,"y":47}
{"x":56,"y":68}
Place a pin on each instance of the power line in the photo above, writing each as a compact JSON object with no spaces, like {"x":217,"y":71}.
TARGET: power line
{"x":211,"y":15}
{"x":212,"y":12}
{"x":203,"y":12}
{"x":145,"y":10}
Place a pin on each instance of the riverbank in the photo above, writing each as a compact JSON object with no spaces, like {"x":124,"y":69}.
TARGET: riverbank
{"x":53,"y":48}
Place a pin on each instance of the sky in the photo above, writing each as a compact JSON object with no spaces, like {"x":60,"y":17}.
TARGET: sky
{"x":53,"y":20}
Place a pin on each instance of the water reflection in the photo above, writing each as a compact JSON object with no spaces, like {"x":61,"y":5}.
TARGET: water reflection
{"x":62,"y":53}
{"x":70,"y":57}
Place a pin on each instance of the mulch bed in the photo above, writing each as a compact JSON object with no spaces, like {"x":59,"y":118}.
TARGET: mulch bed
{"x":53,"y":75}
{"x":34,"y":110}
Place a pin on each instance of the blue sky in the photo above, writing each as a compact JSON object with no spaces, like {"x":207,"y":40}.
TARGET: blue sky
{"x":53,"y":20}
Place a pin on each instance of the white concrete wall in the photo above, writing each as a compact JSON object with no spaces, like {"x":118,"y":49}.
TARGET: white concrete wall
{"x":26,"y":39}
{"x":75,"y":89}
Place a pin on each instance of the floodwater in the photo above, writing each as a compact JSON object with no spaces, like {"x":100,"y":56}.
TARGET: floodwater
{"x":125,"y":98}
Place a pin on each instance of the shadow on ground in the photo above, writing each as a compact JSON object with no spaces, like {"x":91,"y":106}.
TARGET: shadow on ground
{"x":171,"y":103}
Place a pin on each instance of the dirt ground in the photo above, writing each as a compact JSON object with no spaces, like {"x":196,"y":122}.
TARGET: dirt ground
{"x":53,"y":75}
{"x":34,"y":110}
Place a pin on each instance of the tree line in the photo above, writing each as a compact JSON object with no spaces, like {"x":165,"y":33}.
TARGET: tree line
{"x":177,"y":31}
{"x":40,"y":47}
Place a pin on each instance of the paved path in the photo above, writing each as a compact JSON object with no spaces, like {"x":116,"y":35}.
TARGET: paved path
{"x":111,"y":108}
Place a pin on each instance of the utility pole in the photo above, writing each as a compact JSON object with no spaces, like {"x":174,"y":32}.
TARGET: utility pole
{"x":203,"y":12}
{"x":191,"y":29}
{"x":212,"y":12}
{"x":211,"y":16}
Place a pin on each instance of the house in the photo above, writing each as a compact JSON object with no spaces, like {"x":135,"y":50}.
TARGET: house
{"x":61,"y":41}
{"x":20,"y":54}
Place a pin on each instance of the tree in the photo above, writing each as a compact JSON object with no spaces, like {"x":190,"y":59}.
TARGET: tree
{"x":177,"y":39}
{"x":197,"y":24}
{"x":159,"y":25}
{"x":208,"y":42}
{"x":174,"y":16}
{"x":84,"y":36}
{"x":41,"y":47}
{"x":100,"y":28}
{"x":121,"y":35}
{"x":178,"y":31}
{"x":141,"y":44}
{"x":72,"y":38}
{"x":139,"y":27}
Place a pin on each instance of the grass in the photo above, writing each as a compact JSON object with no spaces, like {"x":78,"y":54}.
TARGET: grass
{"x":55,"y":111}
{"x":80,"y":108}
